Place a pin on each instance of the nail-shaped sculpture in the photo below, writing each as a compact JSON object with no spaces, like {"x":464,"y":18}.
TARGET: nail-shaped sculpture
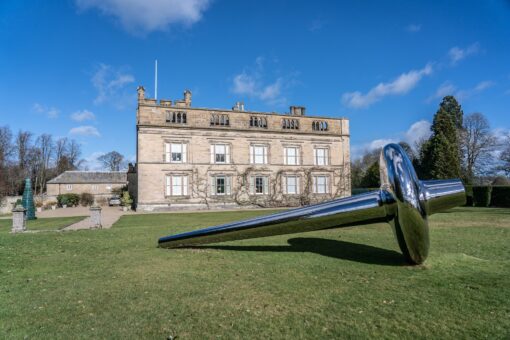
{"x":403,"y":201}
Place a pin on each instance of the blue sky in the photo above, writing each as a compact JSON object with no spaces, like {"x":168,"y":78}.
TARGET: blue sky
{"x":71,"y":68}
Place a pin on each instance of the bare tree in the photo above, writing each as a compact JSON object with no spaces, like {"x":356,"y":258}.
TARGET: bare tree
{"x":22,"y":148}
{"x":6,"y":148}
{"x":73,"y":154}
{"x":6,"y":151}
{"x":45,"y":146}
{"x":111,"y":160}
{"x":505,"y":157}
{"x":477,"y":142}
{"x":61,"y":150}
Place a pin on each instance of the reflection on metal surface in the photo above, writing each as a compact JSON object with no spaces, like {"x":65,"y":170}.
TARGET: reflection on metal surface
{"x":403,"y":201}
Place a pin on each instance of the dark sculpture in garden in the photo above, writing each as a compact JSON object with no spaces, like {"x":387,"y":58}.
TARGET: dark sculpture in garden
{"x":403,"y":201}
{"x":28,"y":200}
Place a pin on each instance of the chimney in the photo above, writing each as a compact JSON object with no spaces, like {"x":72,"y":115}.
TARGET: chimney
{"x":187,"y":98}
{"x":141,"y":93}
{"x":297,"y":110}
{"x":238,"y":107}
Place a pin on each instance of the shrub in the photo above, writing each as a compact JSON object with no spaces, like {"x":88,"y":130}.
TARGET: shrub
{"x":48,"y":205}
{"x":68,"y":199}
{"x":500,"y":196}
{"x":86,"y":199}
{"x":469,"y":195}
{"x":126,"y":199}
{"x":482,"y":196}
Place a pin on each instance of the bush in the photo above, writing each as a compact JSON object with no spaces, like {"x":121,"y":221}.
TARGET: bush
{"x":48,"y":205}
{"x":482,"y":196}
{"x":126,"y":199}
{"x":68,"y":199}
{"x":357,"y":191}
{"x":469,"y":195}
{"x":86,"y":199}
{"x":500,"y":196}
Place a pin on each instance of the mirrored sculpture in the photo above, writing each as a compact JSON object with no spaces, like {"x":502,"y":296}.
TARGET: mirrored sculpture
{"x":403,"y":201}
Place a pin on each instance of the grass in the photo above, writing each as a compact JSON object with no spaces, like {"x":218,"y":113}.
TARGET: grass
{"x":340,"y":283}
{"x":41,"y":224}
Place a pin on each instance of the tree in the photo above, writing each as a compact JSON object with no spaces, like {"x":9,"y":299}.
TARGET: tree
{"x":6,"y":150}
{"x":440,"y":155}
{"x":73,"y":155}
{"x":476,"y":142}
{"x":111,"y":161}
{"x":45,"y":148}
{"x":360,"y":167}
{"x":371,"y":177}
{"x":505,"y":157}
{"x":450,"y":105}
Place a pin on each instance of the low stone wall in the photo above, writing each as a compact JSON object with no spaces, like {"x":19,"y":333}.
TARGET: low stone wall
{"x":7,"y":204}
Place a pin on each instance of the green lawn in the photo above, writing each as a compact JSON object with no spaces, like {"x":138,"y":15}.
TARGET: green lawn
{"x":55,"y":223}
{"x":341,"y":283}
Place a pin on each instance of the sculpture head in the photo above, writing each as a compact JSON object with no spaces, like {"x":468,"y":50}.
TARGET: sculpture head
{"x":414,"y":201}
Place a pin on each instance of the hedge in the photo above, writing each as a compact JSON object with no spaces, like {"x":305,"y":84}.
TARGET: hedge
{"x":469,"y":195}
{"x":357,"y":191}
{"x":482,"y":196}
{"x":68,"y":199}
{"x":500,"y":196}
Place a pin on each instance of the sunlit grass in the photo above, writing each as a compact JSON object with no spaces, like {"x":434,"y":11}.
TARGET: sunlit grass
{"x":340,"y":283}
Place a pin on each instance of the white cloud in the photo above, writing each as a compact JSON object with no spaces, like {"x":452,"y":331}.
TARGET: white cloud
{"x":50,"y":112}
{"x":80,"y":116}
{"x":456,"y":54}
{"x":252,"y":84}
{"x":85,"y":130}
{"x":110,"y":84}
{"x":144,"y":16}
{"x":417,"y":132}
{"x":448,"y":89}
{"x":413,"y":28}
{"x":401,"y":85}
{"x":92,"y":163}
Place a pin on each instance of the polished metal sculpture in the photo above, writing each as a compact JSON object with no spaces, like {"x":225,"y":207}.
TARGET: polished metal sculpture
{"x":403,"y":201}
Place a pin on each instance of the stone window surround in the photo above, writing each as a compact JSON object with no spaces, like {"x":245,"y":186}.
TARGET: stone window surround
{"x":315,"y":184}
{"x":69,"y":187}
{"x":266,"y":155}
{"x":299,"y":183}
{"x":182,"y":174}
{"x":316,"y":158}
{"x":167,"y":155}
{"x":299,"y":154}
{"x":252,"y":183}
{"x":228,"y":152}
{"x":228,"y":184}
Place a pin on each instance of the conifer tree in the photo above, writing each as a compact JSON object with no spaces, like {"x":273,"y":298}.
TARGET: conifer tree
{"x":441,"y":154}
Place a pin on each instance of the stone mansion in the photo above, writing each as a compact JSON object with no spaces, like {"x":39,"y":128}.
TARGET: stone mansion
{"x":202,"y":158}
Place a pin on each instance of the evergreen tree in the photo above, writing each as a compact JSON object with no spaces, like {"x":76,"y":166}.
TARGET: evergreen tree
{"x":440,"y":156}
{"x":450,"y":105}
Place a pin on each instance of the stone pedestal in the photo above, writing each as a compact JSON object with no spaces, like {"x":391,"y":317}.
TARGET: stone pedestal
{"x":19,"y":221}
{"x":95,"y":217}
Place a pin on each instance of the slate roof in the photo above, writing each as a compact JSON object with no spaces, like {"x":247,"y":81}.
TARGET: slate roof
{"x":85,"y":177}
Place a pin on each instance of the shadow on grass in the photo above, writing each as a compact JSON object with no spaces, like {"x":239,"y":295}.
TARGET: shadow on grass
{"x":332,"y":248}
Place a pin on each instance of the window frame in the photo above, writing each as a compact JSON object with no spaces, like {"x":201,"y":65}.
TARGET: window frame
{"x":227,"y":185}
{"x":264,"y":185}
{"x":214,"y":153}
{"x":316,"y":185}
{"x":169,"y":185}
{"x":296,"y":157}
{"x":325,"y":157}
{"x":265,"y":154}
{"x":296,"y":184}
{"x":168,"y":155}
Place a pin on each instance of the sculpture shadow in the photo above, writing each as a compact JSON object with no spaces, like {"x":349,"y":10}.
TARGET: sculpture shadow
{"x":331,"y":248}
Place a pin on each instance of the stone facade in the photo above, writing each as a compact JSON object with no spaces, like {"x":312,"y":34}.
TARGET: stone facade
{"x":101,"y":184}
{"x":215,"y":158}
